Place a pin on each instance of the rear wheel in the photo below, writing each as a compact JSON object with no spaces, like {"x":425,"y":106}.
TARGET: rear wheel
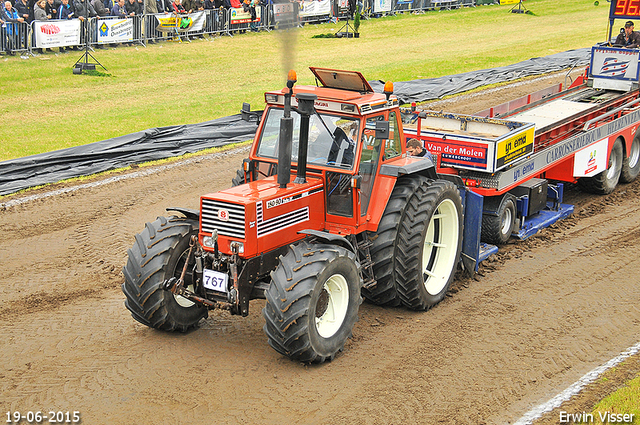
{"x":606,"y":181}
{"x":159,"y":253}
{"x":238,"y":179}
{"x":496,"y":229}
{"x":312,"y":302}
{"x":384,"y":242}
{"x":631,"y":164}
{"x":429,"y":244}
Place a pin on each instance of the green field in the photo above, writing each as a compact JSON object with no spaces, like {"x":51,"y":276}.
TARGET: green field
{"x":44,"y":107}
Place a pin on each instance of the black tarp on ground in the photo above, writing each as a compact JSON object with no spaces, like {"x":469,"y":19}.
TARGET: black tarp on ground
{"x":165,"y":142}
{"x":435,"y":88}
{"x":148,"y":145}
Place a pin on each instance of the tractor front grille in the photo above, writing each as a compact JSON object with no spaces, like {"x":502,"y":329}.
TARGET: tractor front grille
{"x":231,"y":222}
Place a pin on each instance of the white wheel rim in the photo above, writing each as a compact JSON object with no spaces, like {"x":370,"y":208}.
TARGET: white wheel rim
{"x":634,"y":155}
{"x":440,"y":247}
{"x":614,"y":166}
{"x":182,"y":301}
{"x":506,"y":221}
{"x":331,"y":320}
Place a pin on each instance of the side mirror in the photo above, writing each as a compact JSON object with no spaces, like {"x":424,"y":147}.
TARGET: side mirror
{"x":382,"y":129}
{"x":356,"y":181}
{"x":246,"y":111}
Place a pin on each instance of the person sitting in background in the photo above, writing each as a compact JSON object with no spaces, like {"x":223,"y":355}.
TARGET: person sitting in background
{"x":415,"y":148}
{"x":628,"y":37}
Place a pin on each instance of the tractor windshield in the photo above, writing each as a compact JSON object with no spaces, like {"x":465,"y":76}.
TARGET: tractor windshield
{"x":332,"y":139}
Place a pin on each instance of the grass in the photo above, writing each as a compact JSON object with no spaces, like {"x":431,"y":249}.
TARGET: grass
{"x":44,"y":107}
{"x":626,"y":400}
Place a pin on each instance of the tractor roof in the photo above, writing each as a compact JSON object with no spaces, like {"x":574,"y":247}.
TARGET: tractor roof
{"x":338,"y":88}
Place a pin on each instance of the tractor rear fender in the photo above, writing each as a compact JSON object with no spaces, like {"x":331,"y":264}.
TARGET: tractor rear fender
{"x":425,"y":168}
{"x":188,"y":212}
{"x":329,"y":238}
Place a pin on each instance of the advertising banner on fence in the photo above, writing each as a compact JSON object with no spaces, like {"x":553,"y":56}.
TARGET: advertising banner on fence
{"x":315,"y":8}
{"x":182,"y":23}
{"x":239,"y":16}
{"x":381,"y":6}
{"x":115,"y":30}
{"x":57,"y":33}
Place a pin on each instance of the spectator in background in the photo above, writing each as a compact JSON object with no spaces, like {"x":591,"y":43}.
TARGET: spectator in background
{"x":65,"y":11}
{"x":164,"y":6}
{"x":132,"y":7}
{"x":250,"y":6}
{"x":84,"y":9}
{"x":40,"y":14}
{"x":177,"y":7}
{"x":119,"y":10}
{"x":99,"y":7}
{"x":39,"y":11}
{"x":51,"y":8}
{"x":10,"y":17}
{"x":108,"y":4}
{"x":22,"y":8}
{"x":188,"y":5}
{"x":132,"y":12}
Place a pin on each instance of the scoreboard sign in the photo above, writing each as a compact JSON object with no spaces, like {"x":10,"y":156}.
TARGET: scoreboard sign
{"x":624,"y":9}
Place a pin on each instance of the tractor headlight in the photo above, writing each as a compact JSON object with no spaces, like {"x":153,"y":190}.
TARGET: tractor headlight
{"x":237,"y":247}
{"x":210,"y":241}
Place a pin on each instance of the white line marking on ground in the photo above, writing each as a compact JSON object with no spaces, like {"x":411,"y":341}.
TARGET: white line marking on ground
{"x":575,"y":388}
{"x":134,"y":175}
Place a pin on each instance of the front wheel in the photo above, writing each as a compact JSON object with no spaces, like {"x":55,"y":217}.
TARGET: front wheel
{"x":160,"y":253}
{"x":312,"y":302}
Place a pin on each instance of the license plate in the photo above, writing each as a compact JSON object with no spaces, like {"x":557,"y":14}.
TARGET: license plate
{"x":215,"y":281}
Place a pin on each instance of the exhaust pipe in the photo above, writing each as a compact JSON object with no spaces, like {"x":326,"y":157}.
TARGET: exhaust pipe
{"x":306,"y":109}
{"x":286,"y":135}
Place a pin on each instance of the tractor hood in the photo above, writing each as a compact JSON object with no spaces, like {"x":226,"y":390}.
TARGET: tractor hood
{"x":260,"y":215}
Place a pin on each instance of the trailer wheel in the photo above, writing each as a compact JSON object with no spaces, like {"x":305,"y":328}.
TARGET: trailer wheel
{"x":312,"y":302}
{"x":631,"y":163}
{"x":496,"y":229}
{"x":383,"y":250}
{"x":159,"y":253}
{"x":606,"y":181}
{"x":429,"y":244}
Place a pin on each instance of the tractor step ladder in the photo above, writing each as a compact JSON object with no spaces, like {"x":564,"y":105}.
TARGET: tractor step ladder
{"x":366,"y":263}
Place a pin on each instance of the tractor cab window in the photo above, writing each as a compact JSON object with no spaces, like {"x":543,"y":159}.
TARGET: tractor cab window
{"x":393,"y":145}
{"x":369,"y":161}
{"x":332,"y":139}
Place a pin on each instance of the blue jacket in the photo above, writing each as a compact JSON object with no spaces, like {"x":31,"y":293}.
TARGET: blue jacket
{"x":65,"y":12}
{"x":11,"y":17}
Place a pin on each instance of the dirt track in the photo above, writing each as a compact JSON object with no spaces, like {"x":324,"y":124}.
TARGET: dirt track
{"x":539,"y":316}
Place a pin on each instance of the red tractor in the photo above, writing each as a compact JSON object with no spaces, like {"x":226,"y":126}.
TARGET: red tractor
{"x":360,"y":218}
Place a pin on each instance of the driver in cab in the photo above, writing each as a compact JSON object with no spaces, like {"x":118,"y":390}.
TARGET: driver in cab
{"x":628,"y":37}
